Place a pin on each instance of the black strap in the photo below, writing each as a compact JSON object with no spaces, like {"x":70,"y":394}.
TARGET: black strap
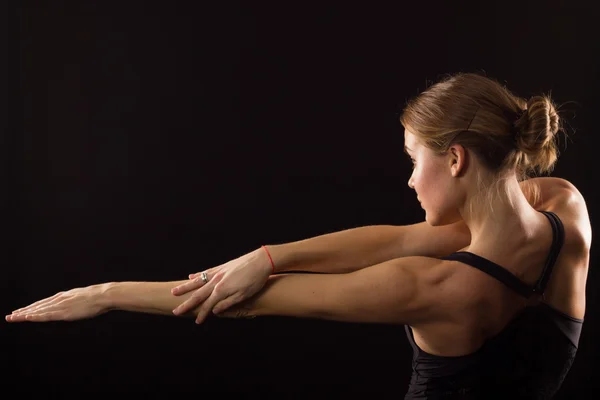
{"x":558,"y":239}
{"x":510,"y":280}
{"x":493,"y":269}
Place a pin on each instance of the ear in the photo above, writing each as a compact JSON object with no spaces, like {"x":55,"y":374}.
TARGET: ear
{"x":458,"y":160}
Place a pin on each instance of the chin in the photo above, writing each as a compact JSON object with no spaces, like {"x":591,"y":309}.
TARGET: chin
{"x":441,"y":219}
{"x":432,"y":221}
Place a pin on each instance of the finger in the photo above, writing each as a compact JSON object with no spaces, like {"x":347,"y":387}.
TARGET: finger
{"x":210,"y":272}
{"x":38,"y":303}
{"x":42,"y":317}
{"x":225,"y":304}
{"x":55,"y":305}
{"x":198,"y":297}
{"x":19,"y":317}
{"x":11,"y":318}
{"x":50,"y":305}
{"x":15,"y":318}
{"x":207,"y":306}
{"x":39,"y":307}
{"x":188,"y":286}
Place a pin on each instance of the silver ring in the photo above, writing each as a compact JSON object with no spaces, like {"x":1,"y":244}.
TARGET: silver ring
{"x":204,"y":277}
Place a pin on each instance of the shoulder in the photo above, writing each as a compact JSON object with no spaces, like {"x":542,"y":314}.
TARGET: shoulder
{"x":556,"y":191}
{"x":568,"y":196}
{"x":563,"y":198}
{"x":549,"y":189}
{"x":569,"y":204}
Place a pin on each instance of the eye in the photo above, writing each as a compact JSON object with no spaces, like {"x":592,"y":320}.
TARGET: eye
{"x":414,"y":163}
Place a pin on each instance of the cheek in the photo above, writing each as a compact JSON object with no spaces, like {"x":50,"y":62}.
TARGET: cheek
{"x":428,"y":186}
{"x":422,"y":181}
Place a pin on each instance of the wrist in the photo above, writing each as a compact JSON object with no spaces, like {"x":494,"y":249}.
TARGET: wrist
{"x":276,"y":257}
{"x":270,"y":259}
{"x":106,"y":295}
{"x":261,"y":258}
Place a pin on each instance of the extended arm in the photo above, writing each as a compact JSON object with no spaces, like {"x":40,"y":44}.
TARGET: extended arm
{"x":341,"y":252}
{"x":398,"y":291}
{"x":353,"y":249}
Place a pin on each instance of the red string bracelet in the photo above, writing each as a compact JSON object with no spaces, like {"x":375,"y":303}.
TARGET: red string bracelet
{"x":272,"y":263}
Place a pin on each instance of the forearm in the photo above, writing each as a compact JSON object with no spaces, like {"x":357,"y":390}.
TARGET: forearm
{"x":339,"y":252}
{"x":145,"y":297}
{"x":284,"y":295}
{"x":279,"y":297}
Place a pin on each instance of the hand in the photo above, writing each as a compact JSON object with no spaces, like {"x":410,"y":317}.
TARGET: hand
{"x":79,"y":303}
{"x":228,"y":284}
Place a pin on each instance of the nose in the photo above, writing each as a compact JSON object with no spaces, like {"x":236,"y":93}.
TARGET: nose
{"x":411,"y":183}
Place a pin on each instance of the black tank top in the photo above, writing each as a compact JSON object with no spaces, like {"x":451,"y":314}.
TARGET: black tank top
{"x":528,"y":359}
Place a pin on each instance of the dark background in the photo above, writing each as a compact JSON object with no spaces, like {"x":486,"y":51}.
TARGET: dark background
{"x":156,"y":140}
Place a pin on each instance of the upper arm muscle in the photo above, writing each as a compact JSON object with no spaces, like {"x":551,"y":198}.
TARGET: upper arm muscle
{"x":425,"y":240}
{"x":400,"y":291}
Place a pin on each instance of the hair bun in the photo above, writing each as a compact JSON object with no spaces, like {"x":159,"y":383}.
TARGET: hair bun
{"x":536,"y":132}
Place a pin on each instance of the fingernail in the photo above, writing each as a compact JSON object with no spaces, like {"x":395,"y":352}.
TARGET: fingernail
{"x":176,"y":311}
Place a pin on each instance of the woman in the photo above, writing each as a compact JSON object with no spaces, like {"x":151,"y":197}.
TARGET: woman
{"x":491,"y":287}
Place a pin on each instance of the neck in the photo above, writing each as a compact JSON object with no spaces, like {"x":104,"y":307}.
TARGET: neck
{"x":507,"y":215}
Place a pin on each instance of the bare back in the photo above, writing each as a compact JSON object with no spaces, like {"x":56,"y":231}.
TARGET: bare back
{"x":482,"y":306}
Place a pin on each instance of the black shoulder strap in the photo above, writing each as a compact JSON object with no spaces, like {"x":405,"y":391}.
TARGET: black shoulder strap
{"x":558,"y":239}
{"x":507,"y":278}
{"x":493,"y":269}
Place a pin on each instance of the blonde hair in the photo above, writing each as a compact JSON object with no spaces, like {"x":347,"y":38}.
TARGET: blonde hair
{"x":505,"y":132}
